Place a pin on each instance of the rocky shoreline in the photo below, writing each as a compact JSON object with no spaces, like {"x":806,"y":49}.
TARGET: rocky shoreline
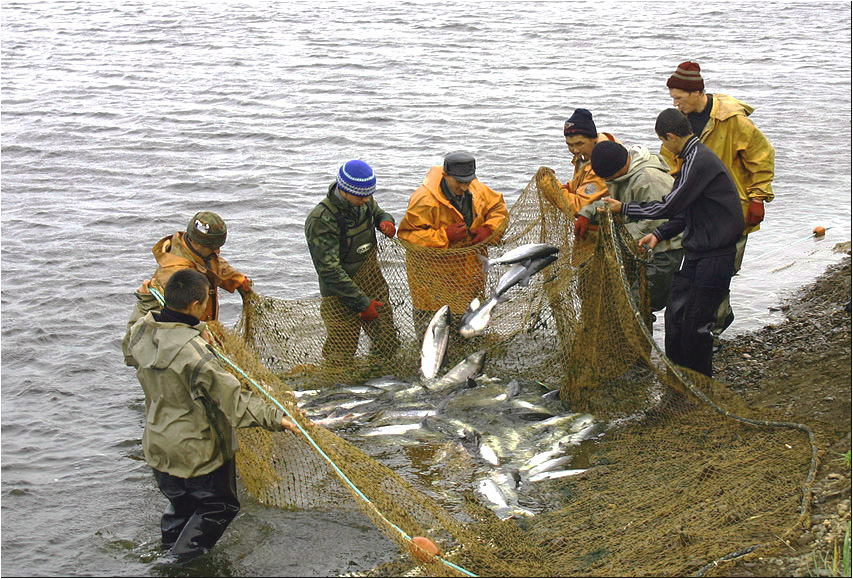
{"x":801,"y":367}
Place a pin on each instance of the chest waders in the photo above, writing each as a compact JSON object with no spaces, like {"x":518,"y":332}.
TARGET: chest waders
{"x":356,"y":242}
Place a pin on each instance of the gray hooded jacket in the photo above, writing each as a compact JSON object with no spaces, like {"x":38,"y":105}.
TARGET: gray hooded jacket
{"x":647,"y":179}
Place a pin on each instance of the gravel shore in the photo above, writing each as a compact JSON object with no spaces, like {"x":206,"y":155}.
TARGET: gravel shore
{"x":802,"y":367}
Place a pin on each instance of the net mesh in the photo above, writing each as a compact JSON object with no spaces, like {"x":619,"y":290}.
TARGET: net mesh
{"x":685,"y":477}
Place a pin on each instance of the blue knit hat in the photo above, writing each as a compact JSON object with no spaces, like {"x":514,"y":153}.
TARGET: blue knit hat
{"x":356,"y":178}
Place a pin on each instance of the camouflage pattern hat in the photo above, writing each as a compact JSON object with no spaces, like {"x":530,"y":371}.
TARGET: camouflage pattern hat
{"x":208,"y":229}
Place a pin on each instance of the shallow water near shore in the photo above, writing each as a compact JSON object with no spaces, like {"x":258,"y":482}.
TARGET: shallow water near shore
{"x":121,"y":121}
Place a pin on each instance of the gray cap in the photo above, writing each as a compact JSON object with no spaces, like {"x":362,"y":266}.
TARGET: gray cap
{"x":461,"y":166}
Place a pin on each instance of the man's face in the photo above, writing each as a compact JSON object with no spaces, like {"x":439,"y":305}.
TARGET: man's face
{"x":355,"y":200}
{"x":458,"y":187}
{"x":687,"y":102}
{"x":205,"y":251}
{"x":580,"y":146}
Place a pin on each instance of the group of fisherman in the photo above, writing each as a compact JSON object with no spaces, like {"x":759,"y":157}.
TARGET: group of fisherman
{"x":693,"y":204}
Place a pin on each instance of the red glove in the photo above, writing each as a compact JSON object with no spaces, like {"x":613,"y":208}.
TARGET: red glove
{"x":370,"y":312}
{"x":755,"y":212}
{"x":481,"y":233}
{"x":388,"y":228}
{"x":581,"y":224}
{"x":246,"y":286}
{"x":456,"y":232}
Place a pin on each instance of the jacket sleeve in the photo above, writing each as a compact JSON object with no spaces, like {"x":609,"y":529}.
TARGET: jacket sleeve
{"x":688,"y":187}
{"x":231,"y":278}
{"x":591,"y":211}
{"x":584,"y":189}
{"x":422,"y":223}
{"x":671,"y":228}
{"x":323,"y":237}
{"x":646,"y":190}
{"x":144,"y":303}
{"x":497,"y":214}
{"x":380,"y":214}
{"x":240,"y":407}
{"x":758,"y":158}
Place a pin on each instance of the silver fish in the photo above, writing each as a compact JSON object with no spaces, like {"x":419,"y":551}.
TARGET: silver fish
{"x":550,"y":465}
{"x":488,"y":454}
{"x":520,"y":273}
{"x":477,"y":317}
{"x":435,"y":342}
{"x":555,"y":474}
{"x":390,"y":429}
{"x":524,"y":252}
{"x":465,"y":370}
{"x":498,"y":493}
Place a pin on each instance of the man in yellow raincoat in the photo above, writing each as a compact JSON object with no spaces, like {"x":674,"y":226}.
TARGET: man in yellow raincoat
{"x":721,"y":123}
{"x":456,"y":214}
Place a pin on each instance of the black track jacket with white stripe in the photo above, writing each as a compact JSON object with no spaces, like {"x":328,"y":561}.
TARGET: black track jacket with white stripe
{"x":703,"y":203}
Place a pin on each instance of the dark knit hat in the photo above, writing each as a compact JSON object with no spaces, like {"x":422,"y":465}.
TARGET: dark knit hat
{"x":580,"y":123}
{"x":687,"y":77}
{"x":208,"y":229}
{"x":461,"y":166}
{"x":607,"y":158}
{"x":356,"y":178}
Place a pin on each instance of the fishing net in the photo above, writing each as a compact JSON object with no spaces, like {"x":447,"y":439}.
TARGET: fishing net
{"x":685,"y":476}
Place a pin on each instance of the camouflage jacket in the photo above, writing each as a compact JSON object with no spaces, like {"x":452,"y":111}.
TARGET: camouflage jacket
{"x":338,"y":258}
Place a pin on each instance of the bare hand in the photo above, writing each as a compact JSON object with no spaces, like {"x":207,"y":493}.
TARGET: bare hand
{"x":649,"y":241}
{"x":143,"y":289}
{"x":289,"y":425}
{"x":614,"y":204}
{"x":208,"y":337}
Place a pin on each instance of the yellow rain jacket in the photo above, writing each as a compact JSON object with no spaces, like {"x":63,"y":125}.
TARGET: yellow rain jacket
{"x":744,"y":150}
{"x":456,"y":277}
{"x":585,"y":186}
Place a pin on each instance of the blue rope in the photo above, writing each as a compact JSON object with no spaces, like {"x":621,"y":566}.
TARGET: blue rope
{"x":340,"y":473}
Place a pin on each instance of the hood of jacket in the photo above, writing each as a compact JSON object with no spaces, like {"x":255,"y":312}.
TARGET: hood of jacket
{"x":163,"y":347}
{"x":642,"y":158}
{"x":725,"y":107}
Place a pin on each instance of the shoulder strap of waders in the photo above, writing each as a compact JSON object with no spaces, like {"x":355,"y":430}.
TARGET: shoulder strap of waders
{"x":342,"y":225}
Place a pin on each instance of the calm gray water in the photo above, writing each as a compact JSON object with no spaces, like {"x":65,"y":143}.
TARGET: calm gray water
{"x":119,"y":121}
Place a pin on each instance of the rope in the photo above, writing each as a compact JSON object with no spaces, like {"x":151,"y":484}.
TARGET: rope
{"x":807,"y":485}
{"x":319,"y":450}
{"x":763,"y":255}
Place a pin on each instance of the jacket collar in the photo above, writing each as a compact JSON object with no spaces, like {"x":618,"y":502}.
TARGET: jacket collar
{"x":688,"y":146}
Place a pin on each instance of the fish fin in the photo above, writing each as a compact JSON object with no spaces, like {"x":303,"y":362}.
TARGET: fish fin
{"x":486,"y":263}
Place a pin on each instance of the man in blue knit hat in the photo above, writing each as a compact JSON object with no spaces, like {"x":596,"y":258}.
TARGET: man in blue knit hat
{"x":341,"y":236}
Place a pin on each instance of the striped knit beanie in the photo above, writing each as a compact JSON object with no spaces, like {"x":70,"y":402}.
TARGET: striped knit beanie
{"x":356,"y":178}
{"x":687,"y":77}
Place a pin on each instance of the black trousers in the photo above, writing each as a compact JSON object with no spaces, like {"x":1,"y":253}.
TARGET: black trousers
{"x":697,"y":290}
{"x":200,"y":509}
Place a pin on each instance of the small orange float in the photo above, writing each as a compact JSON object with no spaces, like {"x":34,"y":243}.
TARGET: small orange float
{"x":819,"y":231}
{"x":423,"y":549}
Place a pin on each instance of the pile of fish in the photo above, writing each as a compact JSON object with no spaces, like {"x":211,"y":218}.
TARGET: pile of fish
{"x":514,"y":434}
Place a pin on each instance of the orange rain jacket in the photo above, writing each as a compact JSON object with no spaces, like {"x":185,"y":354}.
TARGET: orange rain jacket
{"x":585,"y":186}
{"x":459,"y":278}
{"x":744,"y":150}
{"x":172,"y":254}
